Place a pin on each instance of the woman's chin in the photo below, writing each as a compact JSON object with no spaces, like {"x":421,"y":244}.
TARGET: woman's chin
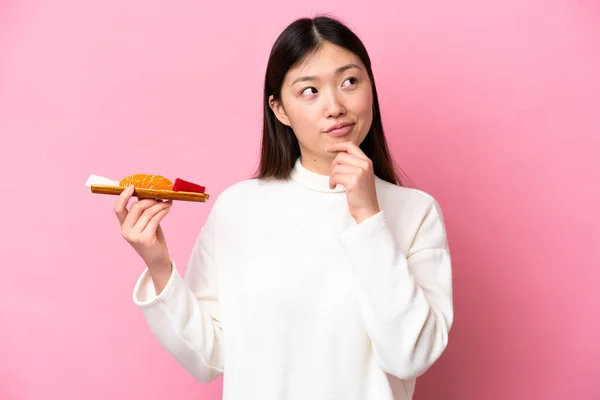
{"x":341,"y":139}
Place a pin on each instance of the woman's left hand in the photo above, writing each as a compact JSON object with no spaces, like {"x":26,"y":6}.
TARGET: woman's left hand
{"x":354,"y":170}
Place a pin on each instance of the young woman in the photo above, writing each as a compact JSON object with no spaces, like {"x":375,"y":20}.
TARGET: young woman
{"x":323,"y":277}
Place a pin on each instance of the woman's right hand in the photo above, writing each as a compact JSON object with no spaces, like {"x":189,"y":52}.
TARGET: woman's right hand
{"x":140,"y":227}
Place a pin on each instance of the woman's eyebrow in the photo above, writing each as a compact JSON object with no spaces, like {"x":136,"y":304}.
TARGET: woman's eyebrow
{"x":314,"y":78}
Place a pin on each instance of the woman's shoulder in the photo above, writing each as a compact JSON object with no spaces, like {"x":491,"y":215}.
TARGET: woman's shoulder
{"x":243,"y":192}
{"x":408,"y":209}
{"x":249,"y":186}
{"x":405,"y":195}
{"x":236,"y":190}
{"x":243,"y":186}
{"x":407,"y":205}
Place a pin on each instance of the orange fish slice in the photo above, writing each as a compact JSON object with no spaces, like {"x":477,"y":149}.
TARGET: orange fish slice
{"x":147,"y":181}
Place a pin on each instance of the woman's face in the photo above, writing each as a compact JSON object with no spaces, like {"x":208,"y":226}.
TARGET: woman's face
{"x":330,"y":89}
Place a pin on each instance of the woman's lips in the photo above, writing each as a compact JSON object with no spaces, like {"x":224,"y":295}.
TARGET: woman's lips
{"x":340,"y":130}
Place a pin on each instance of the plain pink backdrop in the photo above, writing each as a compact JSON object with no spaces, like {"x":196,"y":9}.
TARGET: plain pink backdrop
{"x":492,"y":107}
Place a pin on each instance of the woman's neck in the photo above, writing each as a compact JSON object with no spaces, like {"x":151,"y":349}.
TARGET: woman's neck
{"x":311,"y":179}
{"x":317,"y":164}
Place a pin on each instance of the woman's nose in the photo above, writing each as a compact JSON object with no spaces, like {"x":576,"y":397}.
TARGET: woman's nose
{"x":335,"y":106}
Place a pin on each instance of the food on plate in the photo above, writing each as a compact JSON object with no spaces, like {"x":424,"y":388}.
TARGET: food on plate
{"x":149,"y":186}
{"x":147,"y":181}
{"x":184,"y":186}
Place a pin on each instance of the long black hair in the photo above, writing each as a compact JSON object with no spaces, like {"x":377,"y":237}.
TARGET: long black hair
{"x":279,"y":146}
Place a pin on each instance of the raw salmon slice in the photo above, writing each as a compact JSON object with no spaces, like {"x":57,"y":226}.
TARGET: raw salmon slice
{"x":147,"y":181}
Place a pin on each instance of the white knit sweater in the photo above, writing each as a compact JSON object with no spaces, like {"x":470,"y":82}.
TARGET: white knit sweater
{"x":293,"y":300}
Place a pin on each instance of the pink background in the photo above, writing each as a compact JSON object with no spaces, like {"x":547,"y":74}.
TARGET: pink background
{"x":493,"y":107}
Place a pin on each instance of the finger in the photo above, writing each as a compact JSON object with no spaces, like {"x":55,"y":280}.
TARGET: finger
{"x":348,"y":147}
{"x":347,"y":180}
{"x":346,"y":169}
{"x":155,"y":220}
{"x":349,"y":159}
{"x":136,"y":211}
{"x":121,"y":204}
{"x":336,"y":170}
{"x":148,"y":214}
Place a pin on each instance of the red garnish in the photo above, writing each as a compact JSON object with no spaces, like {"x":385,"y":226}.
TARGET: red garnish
{"x":183,"y":186}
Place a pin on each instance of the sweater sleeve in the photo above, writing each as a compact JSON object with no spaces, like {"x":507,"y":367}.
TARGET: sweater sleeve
{"x":406,"y":299}
{"x":184,"y":317}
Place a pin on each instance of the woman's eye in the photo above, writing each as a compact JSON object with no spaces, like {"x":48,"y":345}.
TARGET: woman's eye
{"x":352,"y":81}
{"x":307,"y":89}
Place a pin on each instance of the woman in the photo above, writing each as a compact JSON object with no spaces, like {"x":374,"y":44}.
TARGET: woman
{"x":323,"y":277}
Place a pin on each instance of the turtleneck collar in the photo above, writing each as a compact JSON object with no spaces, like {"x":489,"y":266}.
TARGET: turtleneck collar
{"x":312,"y":180}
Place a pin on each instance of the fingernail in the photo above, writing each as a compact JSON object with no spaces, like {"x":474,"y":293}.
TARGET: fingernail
{"x":129,"y":188}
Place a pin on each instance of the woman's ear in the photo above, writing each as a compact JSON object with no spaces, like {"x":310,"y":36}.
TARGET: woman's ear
{"x":279,"y":111}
